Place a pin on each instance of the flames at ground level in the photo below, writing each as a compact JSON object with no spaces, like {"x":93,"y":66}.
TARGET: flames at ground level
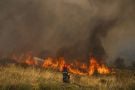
{"x":74,"y":67}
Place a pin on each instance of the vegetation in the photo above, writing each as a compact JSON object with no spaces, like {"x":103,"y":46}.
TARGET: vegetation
{"x":14,"y":77}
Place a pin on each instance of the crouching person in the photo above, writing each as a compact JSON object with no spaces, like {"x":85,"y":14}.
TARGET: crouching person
{"x":66,"y":76}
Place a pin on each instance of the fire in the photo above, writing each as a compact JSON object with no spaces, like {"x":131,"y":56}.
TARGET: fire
{"x":49,"y":63}
{"x":75,"y":67}
{"x":30,"y":61}
{"x":96,"y":67}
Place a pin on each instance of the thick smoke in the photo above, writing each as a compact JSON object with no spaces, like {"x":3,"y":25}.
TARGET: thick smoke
{"x":101,"y":30}
{"x":74,"y":29}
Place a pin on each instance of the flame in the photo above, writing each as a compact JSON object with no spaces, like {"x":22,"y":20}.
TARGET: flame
{"x":29,"y":60}
{"x":75,"y":67}
{"x":96,"y":67}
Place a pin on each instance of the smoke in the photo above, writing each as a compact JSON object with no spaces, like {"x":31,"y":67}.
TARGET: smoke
{"x":74,"y":29}
{"x":120,"y":40}
{"x":95,"y":44}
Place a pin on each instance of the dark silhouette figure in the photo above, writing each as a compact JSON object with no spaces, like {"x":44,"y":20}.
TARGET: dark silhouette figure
{"x":66,"y":76}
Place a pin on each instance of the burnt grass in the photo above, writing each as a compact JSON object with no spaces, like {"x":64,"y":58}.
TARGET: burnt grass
{"x":17,"y":77}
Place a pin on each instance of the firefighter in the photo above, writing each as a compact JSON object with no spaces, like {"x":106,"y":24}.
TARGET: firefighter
{"x":66,"y":76}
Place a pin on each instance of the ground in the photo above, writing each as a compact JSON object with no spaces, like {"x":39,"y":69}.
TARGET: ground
{"x":14,"y":77}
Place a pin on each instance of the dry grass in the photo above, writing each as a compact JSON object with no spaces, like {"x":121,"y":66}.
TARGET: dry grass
{"x":18,"y":78}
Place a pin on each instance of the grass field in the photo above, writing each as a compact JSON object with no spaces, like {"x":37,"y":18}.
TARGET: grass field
{"x":14,"y":77}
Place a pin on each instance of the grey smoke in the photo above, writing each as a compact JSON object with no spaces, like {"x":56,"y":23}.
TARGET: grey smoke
{"x":70,"y":28}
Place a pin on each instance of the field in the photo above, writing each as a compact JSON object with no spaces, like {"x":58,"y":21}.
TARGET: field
{"x":14,"y":77}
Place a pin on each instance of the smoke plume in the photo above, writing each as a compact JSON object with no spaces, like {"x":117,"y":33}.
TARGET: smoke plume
{"x":74,"y":29}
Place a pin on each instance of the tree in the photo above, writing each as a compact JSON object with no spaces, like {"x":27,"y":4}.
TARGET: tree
{"x":133,"y":64}
{"x":119,"y":63}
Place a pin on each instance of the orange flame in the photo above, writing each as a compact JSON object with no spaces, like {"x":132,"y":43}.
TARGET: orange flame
{"x":29,"y":60}
{"x":75,"y":67}
{"x":96,"y":67}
